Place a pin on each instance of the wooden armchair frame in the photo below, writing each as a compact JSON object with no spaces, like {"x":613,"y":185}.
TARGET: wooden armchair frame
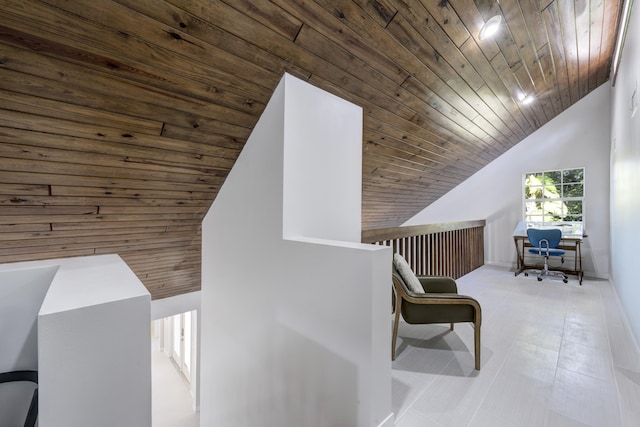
{"x":439,"y":291}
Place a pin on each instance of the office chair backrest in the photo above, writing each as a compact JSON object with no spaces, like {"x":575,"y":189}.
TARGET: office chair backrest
{"x":545,"y":238}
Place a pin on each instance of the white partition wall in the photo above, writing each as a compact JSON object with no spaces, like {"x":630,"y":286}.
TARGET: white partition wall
{"x":295,"y":311}
{"x":93,"y":353}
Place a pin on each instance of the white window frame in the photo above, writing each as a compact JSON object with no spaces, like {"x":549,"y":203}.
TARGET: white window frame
{"x":571,"y":226}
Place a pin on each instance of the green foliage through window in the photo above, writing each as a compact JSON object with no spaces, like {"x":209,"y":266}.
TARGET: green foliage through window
{"x":553,"y":197}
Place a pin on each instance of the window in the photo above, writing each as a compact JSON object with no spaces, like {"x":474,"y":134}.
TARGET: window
{"x":554,"y":197}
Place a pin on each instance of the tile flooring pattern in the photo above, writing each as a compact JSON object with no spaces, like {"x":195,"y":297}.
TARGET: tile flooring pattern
{"x":553,"y":354}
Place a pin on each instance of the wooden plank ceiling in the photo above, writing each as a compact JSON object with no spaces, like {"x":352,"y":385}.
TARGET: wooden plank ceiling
{"x":120,"y":119}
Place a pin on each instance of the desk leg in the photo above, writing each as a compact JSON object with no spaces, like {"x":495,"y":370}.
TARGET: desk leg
{"x":519,"y":256}
{"x":579,"y":260}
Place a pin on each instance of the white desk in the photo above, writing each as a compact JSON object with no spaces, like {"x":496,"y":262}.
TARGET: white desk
{"x":571,"y":241}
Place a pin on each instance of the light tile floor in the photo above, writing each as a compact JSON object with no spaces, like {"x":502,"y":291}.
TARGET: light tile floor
{"x":553,"y":354}
{"x":171,"y":402}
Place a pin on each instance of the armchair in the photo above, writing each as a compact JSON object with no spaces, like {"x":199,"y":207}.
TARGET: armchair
{"x":544,"y":242}
{"x":32,"y":376}
{"x":433,"y":299}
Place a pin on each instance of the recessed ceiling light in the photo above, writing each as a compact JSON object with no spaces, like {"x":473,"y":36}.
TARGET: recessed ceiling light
{"x":490,"y":27}
{"x":526,"y":100}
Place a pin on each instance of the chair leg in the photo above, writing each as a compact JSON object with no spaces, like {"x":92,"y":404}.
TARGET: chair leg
{"x":477,"y":345}
{"x":395,"y":333}
{"x":451,"y":327}
{"x":545,"y":272}
{"x":32,"y":415}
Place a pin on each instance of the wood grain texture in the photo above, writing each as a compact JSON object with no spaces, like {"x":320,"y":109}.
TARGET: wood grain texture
{"x":121,"y":119}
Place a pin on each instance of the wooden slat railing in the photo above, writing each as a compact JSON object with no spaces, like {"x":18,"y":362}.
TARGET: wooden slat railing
{"x":451,"y":249}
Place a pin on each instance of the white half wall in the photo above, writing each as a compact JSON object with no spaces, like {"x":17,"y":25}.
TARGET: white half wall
{"x":322,"y":179}
{"x":295,"y":311}
{"x":578,"y":137}
{"x":625,"y":175}
{"x":93,"y":332}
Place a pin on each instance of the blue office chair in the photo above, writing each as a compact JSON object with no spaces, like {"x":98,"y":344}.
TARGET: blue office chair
{"x":545,"y":244}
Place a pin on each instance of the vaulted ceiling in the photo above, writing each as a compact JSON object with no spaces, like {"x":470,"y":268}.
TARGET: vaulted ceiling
{"x":120,"y":119}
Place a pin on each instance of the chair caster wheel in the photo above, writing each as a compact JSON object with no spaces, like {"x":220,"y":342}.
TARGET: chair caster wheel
{"x":565,"y":281}
{"x":526,"y":274}
{"x":539,"y":279}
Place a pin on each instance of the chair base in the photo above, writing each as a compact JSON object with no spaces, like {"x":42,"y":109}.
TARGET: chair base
{"x":545,"y":272}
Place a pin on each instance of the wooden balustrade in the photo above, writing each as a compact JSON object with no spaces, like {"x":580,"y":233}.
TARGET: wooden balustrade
{"x":451,"y":249}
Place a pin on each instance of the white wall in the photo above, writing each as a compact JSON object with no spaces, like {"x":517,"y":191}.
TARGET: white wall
{"x":625,"y":176}
{"x":578,"y":137}
{"x":322,"y":167}
{"x":93,"y":350}
{"x":21,"y":294}
{"x":295,"y":331}
{"x":170,"y":306}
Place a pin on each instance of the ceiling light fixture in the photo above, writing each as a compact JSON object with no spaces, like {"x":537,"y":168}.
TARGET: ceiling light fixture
{"x":490,"y":27}
{"x":622,"y":35}
{"x":525,"y":99}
